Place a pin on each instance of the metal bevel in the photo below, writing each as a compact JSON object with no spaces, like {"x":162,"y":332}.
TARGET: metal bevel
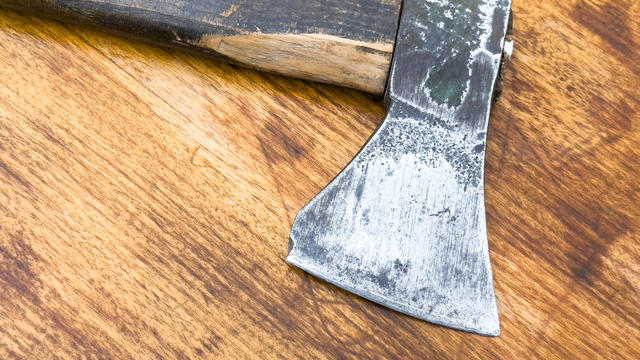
{"x":404,"y":223}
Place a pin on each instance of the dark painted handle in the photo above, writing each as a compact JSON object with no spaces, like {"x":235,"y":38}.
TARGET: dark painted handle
{"x":343,"y":42}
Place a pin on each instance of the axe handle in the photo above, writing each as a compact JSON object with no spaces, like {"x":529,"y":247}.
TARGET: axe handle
{"x":348,"y":43}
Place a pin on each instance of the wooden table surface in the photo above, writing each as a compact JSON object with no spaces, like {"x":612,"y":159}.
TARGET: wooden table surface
{"x":146,"y":198}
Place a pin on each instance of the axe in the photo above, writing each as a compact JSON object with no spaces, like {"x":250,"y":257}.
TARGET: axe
{"x":404,"y":223}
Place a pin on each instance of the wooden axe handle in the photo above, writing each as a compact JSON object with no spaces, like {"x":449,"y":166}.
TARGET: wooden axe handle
{"x":348,"y":43}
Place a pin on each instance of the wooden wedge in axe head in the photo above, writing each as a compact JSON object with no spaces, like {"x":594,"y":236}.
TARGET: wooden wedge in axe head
{"x":404,"y":223}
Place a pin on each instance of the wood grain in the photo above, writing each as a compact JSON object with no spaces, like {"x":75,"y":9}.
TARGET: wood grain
{"x":146,"y":198}
{"x":348,"y":43}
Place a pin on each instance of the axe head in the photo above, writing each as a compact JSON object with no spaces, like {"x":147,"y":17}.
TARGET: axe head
{"x":404,"y":223}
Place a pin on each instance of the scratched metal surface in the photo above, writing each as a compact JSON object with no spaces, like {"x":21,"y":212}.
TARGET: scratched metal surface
{"x":404,"y":224}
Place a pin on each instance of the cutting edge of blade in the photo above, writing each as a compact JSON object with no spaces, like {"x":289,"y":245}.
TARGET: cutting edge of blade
{"x":392,"y":303}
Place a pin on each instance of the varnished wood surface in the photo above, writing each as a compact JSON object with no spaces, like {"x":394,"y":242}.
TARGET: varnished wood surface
{"x":146,"y":198}
{"x":348,"y":43}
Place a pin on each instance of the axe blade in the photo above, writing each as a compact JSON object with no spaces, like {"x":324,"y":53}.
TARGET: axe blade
{"x":404,"y":223}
